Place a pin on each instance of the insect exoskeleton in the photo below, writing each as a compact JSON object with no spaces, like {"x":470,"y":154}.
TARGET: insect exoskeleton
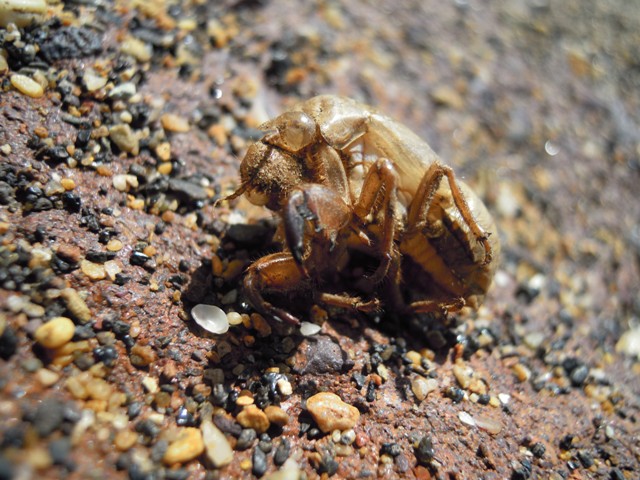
{"x":345,"y":178}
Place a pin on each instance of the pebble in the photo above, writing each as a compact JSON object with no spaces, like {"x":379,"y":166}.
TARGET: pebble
{"x":252,"y":417}
{"x":276,"y":415}
{"x":309,"y":329}
{"x":124,"y":440}
{"x":217,"y":448}
{"x":331,"y":413}
{"x":27,"y":85}
{"x":137,"y":49}
{"x":124,"y":91}
{"x":421,"y":387}
{"x":93,"y":81}
{"x":76,"y":305}
{"x":467,"y":419}
{"x":48,"y":417}
{"x":629,"y":343}
{"x":187,"y":446}
{"x":124,"y":138}
{"x":259,"y":463}
{"x":234,"y":318}
{"x":284,"y":387}
{"x":211,"y":318}
{"x":94,"y":271}
{"x":282,"y":453}
{"x":55,"y":333}
{"x":488,"y":424}
{"x":174,"y":123}
{"x":47,"y":377}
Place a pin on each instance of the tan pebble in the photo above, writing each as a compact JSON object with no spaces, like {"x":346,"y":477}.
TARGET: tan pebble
{"x":76,"y":304}
{"x":252,"y":417}
{"x":244,"y":400}
{"x":104,"y":171}
{"x":68,"y":184}
{"x":463,"y":375}
{"x":125,"y":439}
{"x":47,"y":377}
{"x":142,"y":355}
{"x":124,"y":138}
{"x":114,"y":245}
{"x":138,"y":49}
{"x":284,"y":387}
{"x":26,"y":85}
{"x":165,"y":168}
{"x":4,"y":66}
{"x":276,"y":415}
{"x":421,"y":387}
{"x":218,"y":133}
{"x":163,"y":151}
{"x":174,"y":123}
{"x":522,"y":372}
{"x":112,"y":268}
{"x":186,"y":447}
{"x":150,"y":250}
{"x":94,"y":271}
{"x":55,"y":333}
{"x":234,"y":318}
{"x":261,"y":325}
{"x":69,"y":252}
{"x":414,"y":356}
{"x":331,"y":413}
{"x":99,"y":389}
{"x":41,"y":131}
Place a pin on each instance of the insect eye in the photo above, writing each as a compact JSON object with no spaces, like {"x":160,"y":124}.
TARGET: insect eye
{"x":291,"y":131}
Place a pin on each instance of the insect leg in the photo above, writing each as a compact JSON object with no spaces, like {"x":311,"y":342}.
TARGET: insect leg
{"x":443,"y":306}
{"x":278,"y":273}
{"x":423,"y":200}
{"x":349,"y":302}
{"x":382,"y":180}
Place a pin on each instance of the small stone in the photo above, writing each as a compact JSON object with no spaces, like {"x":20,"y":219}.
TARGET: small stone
{"x":467,"y":419}
{"x":125,"y":439}
{"x":138,"y":49}
{"x":211,"y":318}
{"x":163,"y":151}
{"x":488,"y":424}
{"x":276,"y":415}
{"x":94,"y":271}
{"x":55,"y":333}
{"x":522,"y":372}
{"x":422,"y":387}
{"x":217,"y":447}
{"x":27,"y":86}
{"x":174,"y":123}
{"x":187,"y":446}
{"x":124,"y":91}
{"x":93,"y":81}
{"x":48,"y":417}
{"x":629,"y":343}
{"x":124,"y":138}
{"x":331,"y":413}
{"x":284,"y":387}
{"x":309,"y":329}
{"x":47,"y":377}
{"x":234,"y":318}
{"x":252,"y":417}
{"x":259,"y":463}
{"x":76,"y":305}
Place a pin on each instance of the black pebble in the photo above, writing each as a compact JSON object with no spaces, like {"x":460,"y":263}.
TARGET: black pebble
{"x":259,"y":460}
{"x":8,"y":343}
{"x":282,"y":452}
{"x":424,"y":451}
{"x":48,"y":417}
{"x":246,"y":439}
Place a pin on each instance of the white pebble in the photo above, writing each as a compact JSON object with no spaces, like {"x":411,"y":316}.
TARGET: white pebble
{"x":504,"y":398}
{"x":629,"y":343}
{"x":466,"y":419}
{"x":308,"y":329}
{"x":211,"y":318}
{"x":216,"y":445}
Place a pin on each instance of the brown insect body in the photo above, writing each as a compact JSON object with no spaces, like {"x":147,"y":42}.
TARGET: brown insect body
{"x":344,"y":177}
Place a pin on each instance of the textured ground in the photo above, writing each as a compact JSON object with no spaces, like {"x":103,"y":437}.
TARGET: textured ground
{"x":534,"y":103}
